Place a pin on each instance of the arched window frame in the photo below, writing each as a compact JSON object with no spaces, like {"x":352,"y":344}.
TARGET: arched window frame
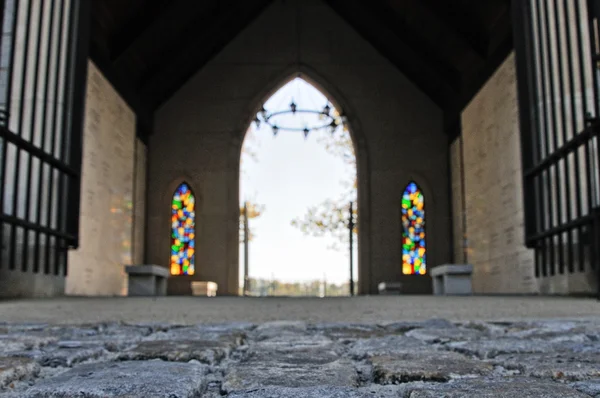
{"x":414,"y":247}
{"x":183,"y":249}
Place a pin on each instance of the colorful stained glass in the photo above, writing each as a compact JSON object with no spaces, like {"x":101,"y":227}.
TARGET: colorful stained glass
{"x":414,"y":261}
{"x":183,"y":224}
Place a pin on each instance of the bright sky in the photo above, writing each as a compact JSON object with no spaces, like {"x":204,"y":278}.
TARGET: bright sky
{"x":288,"y":175}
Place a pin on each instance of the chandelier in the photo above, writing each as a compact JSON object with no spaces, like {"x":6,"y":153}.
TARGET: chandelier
{"x":326,"y":119}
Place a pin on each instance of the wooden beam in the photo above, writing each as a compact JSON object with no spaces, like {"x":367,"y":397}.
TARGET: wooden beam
{"x":369,"y":23}
{"x":141,"y":20}
{"x":164,"y":30}
{"x":460,"y":15}
{"x":202,"y":42}
{"x":144,"y":116}
{"x":476,"y":81}
{"x":438,"y":34}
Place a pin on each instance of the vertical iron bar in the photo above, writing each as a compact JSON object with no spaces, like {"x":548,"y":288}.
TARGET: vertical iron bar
{"x":586,"y":114}
{"x":529,"y":117}
{"x":19,"y":131}
{"x":80,"y":33}
{"x":552,"y":132}
{"x":574,"y":128}
{"x":593,"y":15}
{"x":7,"y":104}
{"x":559,"y":115}
{"x":543,"y":135}
{"x":63,"y":155}
{"x":246,"y":248}
{"x":351,"y":229}
{"x":9,"y":78}
{"x":593,"y":51}
{"x":54,"y":127}
{"x":595,"y":210}
{"x":43,"y":125}
{"x":2,"y":14}
{"x":27,"y":214}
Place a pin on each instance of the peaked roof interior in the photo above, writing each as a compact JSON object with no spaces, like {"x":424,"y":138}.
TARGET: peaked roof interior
{"x":448,"y":48}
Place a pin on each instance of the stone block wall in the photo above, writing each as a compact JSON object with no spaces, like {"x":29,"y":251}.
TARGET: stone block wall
{"x":493,"y":188}
{"x":397,"y":130}
{"x":107,"y":189}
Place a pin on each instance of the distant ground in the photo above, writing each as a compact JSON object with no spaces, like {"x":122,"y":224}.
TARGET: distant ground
{"x":365,"y":309}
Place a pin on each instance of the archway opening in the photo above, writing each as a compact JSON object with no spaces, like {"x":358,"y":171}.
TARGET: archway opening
{"x":298,"y":198}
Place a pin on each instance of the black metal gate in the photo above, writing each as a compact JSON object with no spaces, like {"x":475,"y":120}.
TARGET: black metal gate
{"x":556,"y":44}
{"x":43,"y":65}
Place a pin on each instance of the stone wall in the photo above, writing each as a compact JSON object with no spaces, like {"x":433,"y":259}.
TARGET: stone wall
{"x":397,"y":131}
{"x":493,"y":188}
{"x":107,"y":189}
{"x":139,"y":202}
{"x":458,"y":214}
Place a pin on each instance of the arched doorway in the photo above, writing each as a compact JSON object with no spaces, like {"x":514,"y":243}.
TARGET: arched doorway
{"x":356,"y":146}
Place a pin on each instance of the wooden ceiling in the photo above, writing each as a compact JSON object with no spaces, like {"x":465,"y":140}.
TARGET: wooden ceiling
{"x":448,"y":48}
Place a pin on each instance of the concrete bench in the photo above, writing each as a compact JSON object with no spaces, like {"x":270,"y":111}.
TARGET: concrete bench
{"x":390,"y":288}
{"x":452,"y":279}
{"x":201,"y":288}
{"x":147,"y":280}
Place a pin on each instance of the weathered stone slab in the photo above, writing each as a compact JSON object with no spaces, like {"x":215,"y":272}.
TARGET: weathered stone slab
{"x":326,"y":392}
{"x":348,"y":332}
{"x":290,"y":369}
{"x":295,"y":342}
{"x":124,"y":379}
{"x":492,"y":348}
{"x":558,"y":366}
{"x":590,"y":387}
{"x":399,"y":327}
{"x":16,"y":342}
{"x":437,"y":323}
{"x":113,"y":337}
{"x":426,"y":367}
{"x":235,"y":336}
{"x":205,"y":351}
{"x":445,"y":335}
{"x":57,"y":355}
{"x":502,"y":388}
{"x":13,"y":369}
{"x":388,"y":345}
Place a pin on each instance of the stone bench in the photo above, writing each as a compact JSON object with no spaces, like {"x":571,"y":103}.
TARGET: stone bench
{"x":390,"y":288}
{"x":201,"y":288}
{"x":147,"y":280}
{"x":452,"y":279}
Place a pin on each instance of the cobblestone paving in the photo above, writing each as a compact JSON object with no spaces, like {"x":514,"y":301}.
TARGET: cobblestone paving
{"x":434,"y":358}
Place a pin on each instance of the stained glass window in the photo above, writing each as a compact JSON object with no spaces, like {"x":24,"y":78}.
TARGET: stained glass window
{"x":183,"y":224}
{"x":413,"y":231}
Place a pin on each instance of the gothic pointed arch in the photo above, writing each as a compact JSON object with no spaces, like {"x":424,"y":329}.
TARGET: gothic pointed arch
{"x":414,"y":249}
{"x":183,"y":231}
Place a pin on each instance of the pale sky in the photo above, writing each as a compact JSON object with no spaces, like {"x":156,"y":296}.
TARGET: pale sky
{"x":288,"y":175}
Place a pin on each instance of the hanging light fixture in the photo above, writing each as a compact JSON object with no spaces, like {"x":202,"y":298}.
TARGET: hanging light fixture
{"x":326,"y":119}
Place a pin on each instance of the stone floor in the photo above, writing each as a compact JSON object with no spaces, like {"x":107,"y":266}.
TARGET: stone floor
{"x":363,"y":309}
{"x":430,"y":358}
{"x":358,"y":347}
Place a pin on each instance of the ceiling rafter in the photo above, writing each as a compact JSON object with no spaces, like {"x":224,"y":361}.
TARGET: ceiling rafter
{"x":142,"y":19}
{"x":434,"y":30}
{"x":424,"y":73}
{"x":180,"y":14}
{"x":462,"y":18}
{"x":214,"y":31}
